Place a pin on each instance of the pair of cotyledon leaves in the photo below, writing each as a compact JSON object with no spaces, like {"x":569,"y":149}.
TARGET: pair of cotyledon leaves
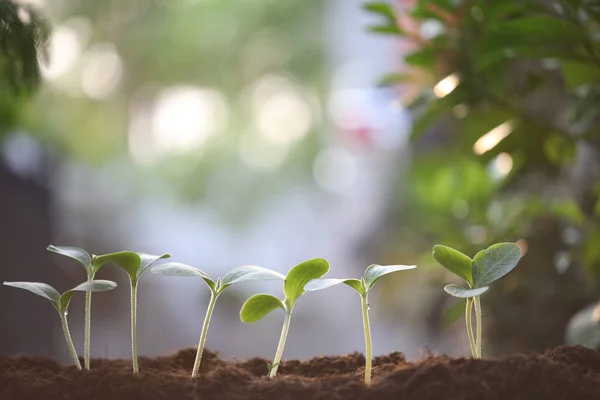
{"x":486,"y":267}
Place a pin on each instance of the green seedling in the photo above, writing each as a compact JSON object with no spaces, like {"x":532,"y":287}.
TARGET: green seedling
{"x":84,"y":259}
{"x":236,"y":275}
{"x":259,"y":305}
{"x":61,"y":302}
{"x":134,"y":264}
{"x":486,"y":267}
{"x":362,"y":286}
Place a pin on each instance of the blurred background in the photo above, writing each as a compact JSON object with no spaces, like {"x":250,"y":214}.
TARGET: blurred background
{"x":267,"y":132}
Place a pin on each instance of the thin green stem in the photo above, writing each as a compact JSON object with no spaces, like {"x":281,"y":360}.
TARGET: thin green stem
{"x":88,"y":328}
{"x":478,"y":325}
{"x":134,"y":351}
{"x":65,"y":326}
{"x":368,"y":343}
{"x":468,"y":313}
{"x":209,"y":311}
{"x":279,"y":353}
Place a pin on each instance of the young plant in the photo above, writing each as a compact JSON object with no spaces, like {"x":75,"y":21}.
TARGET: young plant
{"x":486,"y":267}
{"x":134,"y":264}
{"x":261,"y":304}
{"x":84,"y":259}
{"x":362,"y":286}
{"x":236,"y":275}
{"x":61,"y":302}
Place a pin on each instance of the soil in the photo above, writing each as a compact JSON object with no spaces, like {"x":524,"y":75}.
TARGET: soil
{"x":562,"y":373}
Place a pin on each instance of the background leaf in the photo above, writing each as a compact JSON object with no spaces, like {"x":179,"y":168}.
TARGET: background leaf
{"x":320,"y":284}
{"x":247,"y":273}
{"x":41,"y":289}
{"x":300,"y":275}
{"x":493,"y":263}
{"x":461,"y":292}
{"x":80,"y":255}
{"x":98,"y":285}
{"x":258,"y":306}
{"x":374,"y":272}
{"x":454,"y":261}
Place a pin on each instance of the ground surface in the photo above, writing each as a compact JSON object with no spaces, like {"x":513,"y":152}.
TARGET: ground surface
{"x":561,"y":373}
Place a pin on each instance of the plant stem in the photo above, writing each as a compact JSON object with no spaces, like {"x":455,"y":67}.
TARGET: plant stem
{"x":65,"y":326}
{"x":209,"y":311}
{"x":88,"y":328}
{"x":468,"y":313}
{"x":478,"y":325}
{"x":368,"y":343}
{"x":279,"y":353}
{"x":134,"y":352}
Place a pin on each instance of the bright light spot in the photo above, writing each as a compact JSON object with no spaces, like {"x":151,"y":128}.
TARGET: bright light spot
{"x":141,"y":146}
{"x":492,"y":138}
{"x":24,"y":16}
{"x":284,"y":118}
{"x":522,"y":243}
{"x":185,"y":116}
{"x":562,"y":261}
{"x":476,"y":234}
{"x":102,"y":71}
{"x":336,"y":170}
{"x":504,"y":163}
{"x":596,"y":314}
{"x":63,"y":50}
{"x":446,"y":85}
{"x":346,"y":107}
{"x":460,"y":111}
{"x":261,"y":155}
{"x":431,"y":28}
{"x":460,"y":208}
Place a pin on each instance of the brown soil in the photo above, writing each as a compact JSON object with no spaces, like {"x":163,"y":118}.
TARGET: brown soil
{"x":561,"y":373}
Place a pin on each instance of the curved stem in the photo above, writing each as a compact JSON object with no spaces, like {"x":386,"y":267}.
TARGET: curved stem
{"x":209,"y":311}
{"x":134,"y":352}
{"x":468,"y":313}
{"x":65,"y":326}
{"x":368,"y":343}
{"x":478,"y":326}
{"x":283,"y":337}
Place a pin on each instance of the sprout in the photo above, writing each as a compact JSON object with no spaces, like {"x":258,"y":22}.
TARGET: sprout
{"x":85,"y":260}
{"x":486,"y":267}
{"x":363,"y":285}
{"x":61,"y":302}
{"x":135,"y":264}
{"x":260,"y":305}
{"x":236,"y":275}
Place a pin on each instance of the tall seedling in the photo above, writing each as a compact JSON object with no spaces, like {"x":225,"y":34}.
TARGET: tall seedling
{"x":134,"y":264}
{"x":61,"y":302}
{"x":236,"y":275}
{"x":485,"y":268}
{"x":362,"y":286}
{"x":259,"y":305}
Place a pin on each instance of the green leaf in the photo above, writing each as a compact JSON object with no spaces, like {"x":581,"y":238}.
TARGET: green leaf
{"x":493,"y":263}
{"x":320,"y":284}
{"x":387,"y":12}
{"x":178,"y":269}
{"x":41,"y":289}
{"x":454,"y":261}
{"x":80,"y":255}
{"x":250,"y":273}
{"x":133,"y":263}
{"x":385,"y":29}
{"x":580,"y":73}
{"x":584,"y":327}
{"x":559,"y":150}
{"x":258,"y":306}
{"x":461,"y":292}
{"x":300,"y":275}
{"x":568,"y":210}
{"x":98,"y":285}
{"x":375,"y":272}
{"x":393,"y":78}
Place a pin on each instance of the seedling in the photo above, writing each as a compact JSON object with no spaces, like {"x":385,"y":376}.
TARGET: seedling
{"x":362,"y":286}
{"x":134,"y":264}
{"x":236,"y":275}
{"x":485,"y":268}
{"x":61,"y":302}
{"x":261,"y":304}
{"x":84,"y":259}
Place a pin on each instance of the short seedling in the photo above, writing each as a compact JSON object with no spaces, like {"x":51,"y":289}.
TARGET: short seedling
{"x":85,"y":260}
{"x":61,"y":302}
{"x":363,"y":285}
{"x":261,"y":304}
{"x":485,"y":268}
{"x":134,"y":264}
{"x":236,"y":275}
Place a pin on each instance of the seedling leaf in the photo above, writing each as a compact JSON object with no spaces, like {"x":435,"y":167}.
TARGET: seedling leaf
{"x":454,"y":261}
{"x":80,"y":255}
{"x":99,"y":285}
{"x":41,"y":289}
{"x":300,"y":275}
{"x":250,"y":273}
{"x":133,"y":263}
{"x":374,"y":272}
{"x":493,"y":263}
{"x":258,"y":306}
{"x":461,"y":292}
{"x":320,"y":284}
